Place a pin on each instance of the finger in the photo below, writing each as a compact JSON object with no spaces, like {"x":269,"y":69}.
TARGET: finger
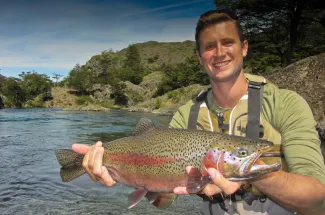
{"x":106,"y":178}
{"x":98,"y":162}
{"x":229,"y":187}
{"x":86,"y":167}
{"x":99,"y":144}
{"x":92,"y":154}
{"x":180,"y":190}
{"x":211,"y":189}
{"x":80,"y":148}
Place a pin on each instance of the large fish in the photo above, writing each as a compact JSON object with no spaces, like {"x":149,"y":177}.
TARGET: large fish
{"x":153,"y":160}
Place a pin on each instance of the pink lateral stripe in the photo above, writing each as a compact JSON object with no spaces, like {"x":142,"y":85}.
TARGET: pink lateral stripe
{"x":139,"y":160}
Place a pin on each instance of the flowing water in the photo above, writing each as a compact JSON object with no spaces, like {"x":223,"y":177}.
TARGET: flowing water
{"x":29,"y":173}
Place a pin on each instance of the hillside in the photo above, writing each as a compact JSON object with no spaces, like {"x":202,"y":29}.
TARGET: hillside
{"x":171,"y":52}
{"x":159,"y":52}
{"x":61,"y":98}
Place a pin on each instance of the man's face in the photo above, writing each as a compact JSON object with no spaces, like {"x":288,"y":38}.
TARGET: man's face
{"x":221,"y":51}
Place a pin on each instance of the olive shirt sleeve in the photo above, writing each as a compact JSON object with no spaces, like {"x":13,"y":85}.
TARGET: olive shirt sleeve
{"x":290,"y":114}
{"x":180,"y":118}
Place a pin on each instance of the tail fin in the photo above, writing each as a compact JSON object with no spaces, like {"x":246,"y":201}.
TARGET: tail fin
{"x":71,"y":163}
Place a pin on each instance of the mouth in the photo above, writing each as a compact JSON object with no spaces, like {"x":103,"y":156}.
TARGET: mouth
{"x":220,"y":65}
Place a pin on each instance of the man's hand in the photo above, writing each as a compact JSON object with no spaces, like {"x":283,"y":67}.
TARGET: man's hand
{"x":220,"y":185}
{"x":93,"y":162}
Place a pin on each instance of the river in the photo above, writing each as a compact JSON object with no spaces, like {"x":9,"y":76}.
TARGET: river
{"x":29,"y":173}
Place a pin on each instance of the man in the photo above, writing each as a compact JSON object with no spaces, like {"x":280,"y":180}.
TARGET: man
{"x":285,"y":117}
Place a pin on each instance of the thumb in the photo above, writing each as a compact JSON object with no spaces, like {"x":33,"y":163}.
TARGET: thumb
{"x":214,"y":175}
{"x":229,"y":187}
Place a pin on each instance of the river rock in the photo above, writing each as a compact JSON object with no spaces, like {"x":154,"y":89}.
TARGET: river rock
{"x":134,"y":93}
{"x":151,"y":82}
{"x":307,"y":78}
{"x":101,"y":92}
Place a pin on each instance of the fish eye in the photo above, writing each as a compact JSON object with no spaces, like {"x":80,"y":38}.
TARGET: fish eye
{"x":242,"y":152}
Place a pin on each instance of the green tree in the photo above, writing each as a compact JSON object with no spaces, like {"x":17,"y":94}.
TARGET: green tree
{"x":57,"y":77}
{"x":128,"y":74}
{"x":13,"y":92}
{"x":118,"y":93}
{"x":2,"y":79}
{"x":35,"y":84}
{"x":133,"y":69}
{"x":106,"y":67}
{"x":278,"y":22}
{"x":181,"y":75}
{"x":81,"y":79}
{"x":133,"y":59}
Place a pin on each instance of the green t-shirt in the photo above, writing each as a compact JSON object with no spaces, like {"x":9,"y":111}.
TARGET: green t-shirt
{"x":289,"y":114}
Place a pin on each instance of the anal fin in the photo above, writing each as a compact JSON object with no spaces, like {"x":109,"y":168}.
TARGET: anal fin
{"x":136,"y":197}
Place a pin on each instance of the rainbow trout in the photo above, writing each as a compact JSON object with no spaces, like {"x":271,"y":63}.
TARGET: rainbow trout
{"x":153,"y":160}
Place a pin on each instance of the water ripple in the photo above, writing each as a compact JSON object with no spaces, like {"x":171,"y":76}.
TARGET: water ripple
{"x":29,"y":173}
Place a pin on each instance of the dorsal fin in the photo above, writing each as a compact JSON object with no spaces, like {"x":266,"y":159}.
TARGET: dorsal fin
{"x":143,"y":126}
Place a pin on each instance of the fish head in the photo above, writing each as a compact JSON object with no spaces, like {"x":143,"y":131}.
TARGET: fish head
{"x":237,"y":160}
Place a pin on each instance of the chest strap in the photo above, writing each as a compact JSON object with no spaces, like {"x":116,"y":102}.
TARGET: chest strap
{"x":194,"y":111}
{"x":255,"y":98}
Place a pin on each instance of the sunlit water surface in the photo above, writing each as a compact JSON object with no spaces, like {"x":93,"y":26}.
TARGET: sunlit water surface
{"x":29,"y":173}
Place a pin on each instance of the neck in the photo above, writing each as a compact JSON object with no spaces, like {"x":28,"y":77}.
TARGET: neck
{"x":227,"y":94}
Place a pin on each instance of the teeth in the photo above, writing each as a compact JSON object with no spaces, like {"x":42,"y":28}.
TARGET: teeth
{"x":220,"y":64}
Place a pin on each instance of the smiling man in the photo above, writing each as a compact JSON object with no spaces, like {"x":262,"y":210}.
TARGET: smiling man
{"x":285,"y":118}
{"x":245,"y":105}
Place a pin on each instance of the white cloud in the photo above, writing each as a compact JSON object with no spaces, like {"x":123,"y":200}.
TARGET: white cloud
{"x":66,"y":34}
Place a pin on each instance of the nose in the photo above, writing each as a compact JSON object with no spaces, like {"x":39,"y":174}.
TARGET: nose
{"x":219,"y":50}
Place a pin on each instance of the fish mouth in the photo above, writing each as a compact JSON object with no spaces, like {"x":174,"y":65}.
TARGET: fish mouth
{"x":252,"y":169}
{"x":251,"y":162}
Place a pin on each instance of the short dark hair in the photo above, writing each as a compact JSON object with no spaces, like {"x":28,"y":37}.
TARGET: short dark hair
{"x":213,"y":17}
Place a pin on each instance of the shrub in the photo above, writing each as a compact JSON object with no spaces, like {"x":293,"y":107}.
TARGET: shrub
{"x":83,"y":100}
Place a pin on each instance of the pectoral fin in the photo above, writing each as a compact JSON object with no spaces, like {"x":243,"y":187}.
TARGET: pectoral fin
{"x":136,"y":196}
{"x":196,"y":181}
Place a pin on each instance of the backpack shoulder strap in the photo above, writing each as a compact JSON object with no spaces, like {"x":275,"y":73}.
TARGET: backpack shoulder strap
{"x":194,"y":112}
{"x":255,"y":99}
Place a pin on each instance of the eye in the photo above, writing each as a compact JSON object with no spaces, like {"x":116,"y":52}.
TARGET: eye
{"x":209,"y":46}
{"x":228,"y":42}
{"x":242,"y":153}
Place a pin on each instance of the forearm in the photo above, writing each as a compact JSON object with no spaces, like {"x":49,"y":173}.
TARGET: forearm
{"x":296,"y":192}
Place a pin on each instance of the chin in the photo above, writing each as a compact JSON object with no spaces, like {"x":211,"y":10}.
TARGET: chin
{"x":225,"y":76}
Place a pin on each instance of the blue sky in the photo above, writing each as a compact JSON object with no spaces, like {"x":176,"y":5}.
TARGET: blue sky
{"x":52,"y":36}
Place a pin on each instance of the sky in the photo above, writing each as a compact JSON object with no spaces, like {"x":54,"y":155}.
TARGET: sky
{"x":52,"y":36}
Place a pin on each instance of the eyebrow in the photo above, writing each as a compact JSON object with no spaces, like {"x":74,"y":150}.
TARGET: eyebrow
{"x":223,"y":39}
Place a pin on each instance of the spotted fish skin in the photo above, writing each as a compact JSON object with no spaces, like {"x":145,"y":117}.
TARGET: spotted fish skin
{"x":159,"y":156}
{"x":154,"y":159}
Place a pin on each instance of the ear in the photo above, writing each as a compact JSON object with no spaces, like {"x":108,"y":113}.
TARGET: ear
{"x":245,"y":48}
{"x":198,"y":56}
